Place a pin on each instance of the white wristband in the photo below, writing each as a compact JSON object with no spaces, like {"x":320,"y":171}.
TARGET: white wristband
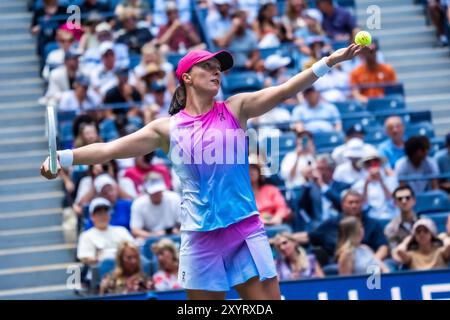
{"x":65,"y":158}
{"x":320,"y":68}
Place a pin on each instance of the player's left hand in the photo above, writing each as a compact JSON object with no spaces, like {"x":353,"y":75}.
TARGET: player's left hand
{"x":348,"y":53}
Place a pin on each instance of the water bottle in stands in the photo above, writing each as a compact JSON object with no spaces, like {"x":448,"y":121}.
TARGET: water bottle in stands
{"x":182,"y":48}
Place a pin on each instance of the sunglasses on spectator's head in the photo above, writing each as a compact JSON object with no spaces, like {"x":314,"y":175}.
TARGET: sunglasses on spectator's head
{"x":407,"y":198}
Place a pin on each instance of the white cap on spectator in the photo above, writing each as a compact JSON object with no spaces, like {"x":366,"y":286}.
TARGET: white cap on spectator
{"x":152,"y":186}
{"x":354,"y":148}
{"x":105,"y":47}
{"x":427,"y":223}
{"x":99,"y":202}
{"x":103,"y":180}
{"x":171,"y":5}
{"x":220,"y":2}
{"x":101,"y":27}
{"x":275,"y":61}
{"x":314,"y":14}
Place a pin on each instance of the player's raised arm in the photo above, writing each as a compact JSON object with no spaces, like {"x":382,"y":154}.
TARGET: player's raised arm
{"x":253,"y":104}
{"x":147,"y":139}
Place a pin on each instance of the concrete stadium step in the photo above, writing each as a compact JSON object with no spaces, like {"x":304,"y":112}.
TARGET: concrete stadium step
{"x":34,"y":157}
{"x":11,"y":171}
{"x":395,"y":22}
{"x":25,"y":157}
{"x":422,"y":65}
{"x":19,"y":73}
{"x":28,"y":185}
{"x":14,"y":96}
{"x":391,"y":11}
{"x":53,"y":236}
{"x":35,"y":276}
{"x":34,"y":201}
{"x":17,"y":50}
{"x":399,"y":33}
{"x":14,"y":106}
{"x":37,"y":255}
{"x":32,"y":118}
{"x":427,"y":53}
{"x":10,"y":18}
{"x":57,"y":292}
{"x":414,"y":89}
{"x":424,"y":41}
{"x":413,"y":74}
{"x":19,"y":132}
{"x":23,"y":144}
{"x":30,"y":219}
{"x":16,"y":28}
{"x":365,"y":3}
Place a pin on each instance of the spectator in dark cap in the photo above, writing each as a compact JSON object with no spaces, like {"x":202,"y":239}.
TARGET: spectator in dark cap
{"x":79,"y":99}
{"x":98,"y":6}
{"x":442,"y":158}
{"x":417,"y":163}
{"x":126,"y":116}
{"x":131,"y":35}
{"x":338,"y":23}
{"x":315,"y":114}
{"x":355,"y":131}
{"x":371,"y":74}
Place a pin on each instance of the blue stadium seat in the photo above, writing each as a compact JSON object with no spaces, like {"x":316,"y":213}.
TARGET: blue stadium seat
{"x":174,"y":58}
{"x":437,"y":143}
{"x":420,"y":129}
{"x":383,"y":104}
{"x":49,"y":47}
{"x":432,"y":201}
{"x":440,"y":219}
{"x":241,"y":82}
{"x":394,"y":90}
{"x":135,"y":59}
{"x":328,"y":139}
{"x":348,"y":106}
{"x":286,"y":143}
{"x":365,"y":119}
{"x":375,"y":135}
{"x":105,"y":267}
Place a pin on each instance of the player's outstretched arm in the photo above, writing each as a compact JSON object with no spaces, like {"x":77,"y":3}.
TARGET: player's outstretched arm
{"x":253,"y":104}
{"x":147,"y":139}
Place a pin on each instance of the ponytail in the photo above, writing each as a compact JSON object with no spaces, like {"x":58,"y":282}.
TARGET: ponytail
{"x":178,"y":100}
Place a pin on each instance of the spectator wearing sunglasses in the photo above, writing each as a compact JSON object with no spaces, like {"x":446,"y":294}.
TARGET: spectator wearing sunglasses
{"x":401,"y":226}
{"x":423,"y":250}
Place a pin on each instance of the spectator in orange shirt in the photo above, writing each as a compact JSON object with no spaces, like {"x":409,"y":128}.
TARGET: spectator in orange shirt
{"x":371,"y":72}
{"x":269,"y":200}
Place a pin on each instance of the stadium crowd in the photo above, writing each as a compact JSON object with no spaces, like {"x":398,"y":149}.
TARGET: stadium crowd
{"x":346,"y":196}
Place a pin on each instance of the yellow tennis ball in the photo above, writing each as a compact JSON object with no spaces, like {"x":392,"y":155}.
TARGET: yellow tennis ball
{"x":363,"y":38}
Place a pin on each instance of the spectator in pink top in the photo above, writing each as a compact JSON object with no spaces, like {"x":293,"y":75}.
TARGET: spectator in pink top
{"x":143,"y":166}
{"x":269,"y":200}
{"x":166,"y":278}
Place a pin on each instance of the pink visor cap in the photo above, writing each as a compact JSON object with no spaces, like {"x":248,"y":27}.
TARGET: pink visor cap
{"x":195,"y":56}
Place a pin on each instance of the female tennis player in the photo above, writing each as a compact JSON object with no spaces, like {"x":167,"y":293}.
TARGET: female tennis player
{"x":223,"y":242}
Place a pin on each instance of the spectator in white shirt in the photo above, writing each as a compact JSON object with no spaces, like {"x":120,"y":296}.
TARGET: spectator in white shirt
{"x":79,"y":99}
{"x":377,"y":187}
{"x":55,"y":58}
{"x":315,"y":114}
{"x":101,"y":241}
{"x":218,"y":22}
{"x":103,"y":77}
{"x":349,"y":171}
{"x":157,"y":212}
{"x":297,"y":162}
{"x":355,"y":131}
{"x":62,"y":78}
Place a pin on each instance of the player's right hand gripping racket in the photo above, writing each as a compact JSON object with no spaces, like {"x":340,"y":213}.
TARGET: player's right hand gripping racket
{"x":51,"y":135}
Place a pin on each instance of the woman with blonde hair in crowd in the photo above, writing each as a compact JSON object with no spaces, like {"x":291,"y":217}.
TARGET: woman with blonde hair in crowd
{"x":150,"y":54}
{"x":352,"y":256}
{"x":166,"y":278}
{"x":294,"y":263}
{"x":128,"y":276}
{"x":292,"y":19}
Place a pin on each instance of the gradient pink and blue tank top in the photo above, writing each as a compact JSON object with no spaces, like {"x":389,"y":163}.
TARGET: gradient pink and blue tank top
{"x":209,"y":153}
